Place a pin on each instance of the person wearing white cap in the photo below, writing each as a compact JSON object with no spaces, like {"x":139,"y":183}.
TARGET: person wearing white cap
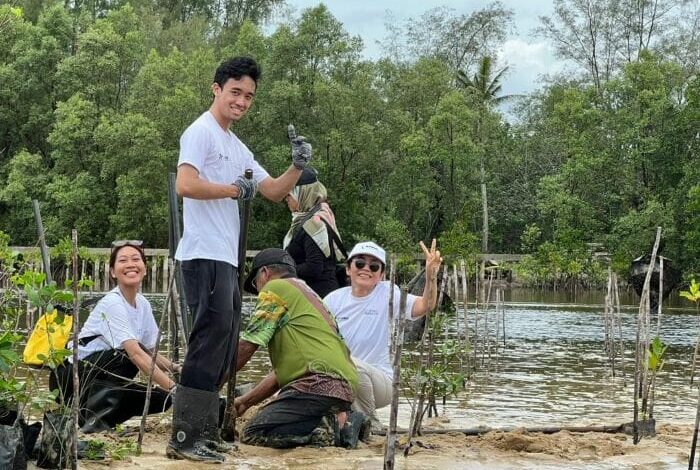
{"x":362,"y":313}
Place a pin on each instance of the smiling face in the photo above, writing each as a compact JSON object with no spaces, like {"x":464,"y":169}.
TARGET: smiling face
{"x":233,"y":99}
{"x":128,"y":267}
{"x":363,"y":278}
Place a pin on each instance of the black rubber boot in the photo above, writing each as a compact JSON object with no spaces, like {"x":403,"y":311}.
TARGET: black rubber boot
{"x":192,"y":424}
{"x":357,"y":428}
{"x":100,"y":406}
{"x":211,"y":429}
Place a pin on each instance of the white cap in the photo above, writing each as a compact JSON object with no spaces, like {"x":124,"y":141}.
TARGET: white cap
{"x":369,"y":248}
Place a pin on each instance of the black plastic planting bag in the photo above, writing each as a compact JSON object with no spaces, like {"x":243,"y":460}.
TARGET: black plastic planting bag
{"x":56,"y":441}
{"x":12,"y":448}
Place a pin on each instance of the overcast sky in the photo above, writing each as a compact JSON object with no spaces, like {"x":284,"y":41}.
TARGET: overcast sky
{"x":527,"y":57}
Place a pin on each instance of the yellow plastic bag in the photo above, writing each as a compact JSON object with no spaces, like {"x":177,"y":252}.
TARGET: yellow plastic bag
{"x":48,"y":335}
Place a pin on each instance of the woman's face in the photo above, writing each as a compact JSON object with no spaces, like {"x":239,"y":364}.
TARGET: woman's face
{"x":365,"y":271}
{"x":129,"y":268}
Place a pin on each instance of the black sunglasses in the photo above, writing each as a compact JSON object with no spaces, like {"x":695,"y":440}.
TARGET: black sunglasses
{"x":121,"y":243}
{"x":361,"y":263}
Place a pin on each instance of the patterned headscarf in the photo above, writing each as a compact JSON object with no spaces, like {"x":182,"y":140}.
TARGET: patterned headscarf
{"x":313,"y":211}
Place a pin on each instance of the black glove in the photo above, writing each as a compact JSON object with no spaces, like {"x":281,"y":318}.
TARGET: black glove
{"x":246,"y":187}
{"x":301,"y":149}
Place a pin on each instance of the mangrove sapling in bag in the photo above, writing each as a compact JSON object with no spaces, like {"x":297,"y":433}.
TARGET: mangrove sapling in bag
{"x":56,"y":440}
{"x":12,"y":447}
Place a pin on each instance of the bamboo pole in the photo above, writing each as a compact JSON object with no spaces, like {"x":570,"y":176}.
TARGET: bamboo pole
{"x":76,"y":330}
{"x":390,"y":446}
{"x":154,"y":355}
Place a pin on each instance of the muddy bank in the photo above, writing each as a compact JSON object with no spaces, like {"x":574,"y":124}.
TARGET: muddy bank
{"x":496,"y":450}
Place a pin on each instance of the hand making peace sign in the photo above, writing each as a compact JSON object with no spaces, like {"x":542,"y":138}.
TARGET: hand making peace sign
{"x":432,"y":259}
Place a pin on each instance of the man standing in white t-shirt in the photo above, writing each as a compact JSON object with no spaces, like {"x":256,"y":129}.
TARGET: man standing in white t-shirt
{"x":362,"y":313}
{"x":210,"y":180}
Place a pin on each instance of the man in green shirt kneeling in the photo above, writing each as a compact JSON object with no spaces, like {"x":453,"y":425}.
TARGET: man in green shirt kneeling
{"x":311,"y":364}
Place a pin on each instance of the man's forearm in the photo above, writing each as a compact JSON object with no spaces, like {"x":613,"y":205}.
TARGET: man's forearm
{"x":275,"y":189}
{"x":263,"y":390}
{"x":245,"y":352}
{"x":189,"y":184}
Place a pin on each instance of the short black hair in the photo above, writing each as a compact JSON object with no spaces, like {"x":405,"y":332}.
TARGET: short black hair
{"x":236,"y":68}
{"x":282,"y":269}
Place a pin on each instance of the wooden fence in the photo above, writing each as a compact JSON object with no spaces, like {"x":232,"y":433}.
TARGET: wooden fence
{"x":94,"y":266}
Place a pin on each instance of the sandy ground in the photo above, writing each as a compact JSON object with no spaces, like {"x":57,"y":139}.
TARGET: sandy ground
{"x":496,"y":450}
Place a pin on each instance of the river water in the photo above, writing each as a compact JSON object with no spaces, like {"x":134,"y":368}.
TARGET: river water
{"x":554,"y":371}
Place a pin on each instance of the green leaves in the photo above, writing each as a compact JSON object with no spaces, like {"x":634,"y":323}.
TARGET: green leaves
{"x":693,"y":292}
{"x":656,"y":354}
{"x":8,"y":356}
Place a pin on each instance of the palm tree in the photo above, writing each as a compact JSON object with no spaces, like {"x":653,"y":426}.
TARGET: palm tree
{"x":485,"y":86}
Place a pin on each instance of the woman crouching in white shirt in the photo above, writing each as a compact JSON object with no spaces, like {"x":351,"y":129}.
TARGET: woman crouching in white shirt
{"x":114,"y":344}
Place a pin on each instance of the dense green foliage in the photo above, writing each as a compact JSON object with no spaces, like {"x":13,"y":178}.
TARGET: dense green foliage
{"x":94,"y":97}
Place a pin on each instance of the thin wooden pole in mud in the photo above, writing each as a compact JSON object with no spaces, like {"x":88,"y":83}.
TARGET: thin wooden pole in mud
{"x":76,"y":330}
{"x":228,"y":427}
{"x":661,"y":296}
{"x":503,"y":317}
{"x":392,"y":282}
{"x":390,"y":445}
{"x":487,"y":336}
{"x":497,"y":332}
{"x":618,"y":316}
{"x":609,"y":343}
{"x":174,"y":235}
{"x":694,"y":442}
{"x":642,"y":344}
{"x":477,"y":282}
{"x":695,"y":358}
{"x":41,"y":235}
{"x":465,"y":317}
{"x":154,"y":355}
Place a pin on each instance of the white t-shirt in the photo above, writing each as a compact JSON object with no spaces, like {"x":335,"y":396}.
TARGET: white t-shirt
{"x":212,"y":226}
{"x":116,"y":321}
{"x":364,"y":322}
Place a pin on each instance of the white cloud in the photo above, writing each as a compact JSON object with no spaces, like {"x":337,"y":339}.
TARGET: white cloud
{"x":526,"y":61}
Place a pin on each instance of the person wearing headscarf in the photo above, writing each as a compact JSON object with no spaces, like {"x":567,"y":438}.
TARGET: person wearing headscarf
{"x":313,"y":240}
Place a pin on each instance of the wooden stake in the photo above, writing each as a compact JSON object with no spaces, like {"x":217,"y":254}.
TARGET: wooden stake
{"x":661,"y":296}
{"x":642,"y":344}
{"x":390,"y":446}
{"x":392,"y":282}
{"x":465,"y":304}
{"x":76,"y":330}
{"x":154,"y":355}
{"x":618,"y":315}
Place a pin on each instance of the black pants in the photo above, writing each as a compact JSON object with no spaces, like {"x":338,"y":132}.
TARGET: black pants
{"x":290,"y":420}
{"x":211,"y":289}
{"x":107,"y":389}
